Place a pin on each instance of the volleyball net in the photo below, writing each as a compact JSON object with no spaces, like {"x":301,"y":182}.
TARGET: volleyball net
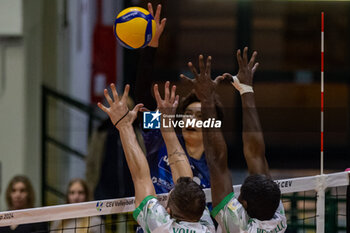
{"x":312,"y":204}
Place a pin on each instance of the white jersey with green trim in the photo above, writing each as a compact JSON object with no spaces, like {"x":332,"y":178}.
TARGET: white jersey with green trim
{"x":153,"y":217}
{"x":232,"y":217}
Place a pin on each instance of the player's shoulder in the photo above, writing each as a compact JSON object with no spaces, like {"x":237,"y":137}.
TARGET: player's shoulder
{"x":278,"y":223}
{"x":197,"y":227}
{"x":273,"y":225}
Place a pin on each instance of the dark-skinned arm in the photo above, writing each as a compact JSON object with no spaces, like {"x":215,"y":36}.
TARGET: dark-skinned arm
{"x":144,"y":78}
{"x":216,"y":155}
{"x":213,"y":139}
{"x":253,"y":140}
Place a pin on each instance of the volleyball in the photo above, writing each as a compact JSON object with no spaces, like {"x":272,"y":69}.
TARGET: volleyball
{"x":134,"y":27}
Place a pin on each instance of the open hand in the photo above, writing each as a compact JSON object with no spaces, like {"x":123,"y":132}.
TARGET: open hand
{"x":160,"y":24}
{"x":170,"y":102}
{"x":202,"y":83}
{"x":246,"y":69}
{"x":118,"y":110}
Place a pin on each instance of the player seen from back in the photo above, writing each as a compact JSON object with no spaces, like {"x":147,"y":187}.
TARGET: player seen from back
{"x":185,"y":211}
{"x":258,"y":209}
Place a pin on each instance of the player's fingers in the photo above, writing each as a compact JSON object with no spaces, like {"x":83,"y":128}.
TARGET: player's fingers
{"x":144,"y":109}
{"x":208,"y":66}
{"x":166,"y":91}
{"x":239,"y":58}
{"x":172,"y":96}
{"x":193,"y":69}
{"x":218,"y":79}
{"x":245,"y":55}
{"x":102,"y":107}
{"x":228,"y":76}
{"x":156,"y":93}
{"x":114,"y":92}
{"x":255,"y":67}
{"x":187,"y":80}
{"x":252,"y":60}
{"x":108,"y":98}
{"x":162,"y":25}
{"x":137,"y":108}
{"x":150,"y":9}
{"x":157,"y":16}
{"x":176,"y":102}
{"x":126,"y":93}
{"x":201,"y":64}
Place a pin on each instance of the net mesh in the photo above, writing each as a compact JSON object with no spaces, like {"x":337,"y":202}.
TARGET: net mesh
{"x":298,"y":196}
{"x":122,"y":222}
{"x":301,"y":210}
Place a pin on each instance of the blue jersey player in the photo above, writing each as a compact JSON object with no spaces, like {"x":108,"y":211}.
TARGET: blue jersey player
{"x":190,"y":138}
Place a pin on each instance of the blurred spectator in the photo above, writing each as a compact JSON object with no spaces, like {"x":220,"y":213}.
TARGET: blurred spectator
{"x":20,"y":195}
{"x":78,"y":192}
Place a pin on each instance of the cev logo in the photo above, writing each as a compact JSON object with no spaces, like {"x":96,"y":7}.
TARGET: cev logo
{"x":99,"y":206}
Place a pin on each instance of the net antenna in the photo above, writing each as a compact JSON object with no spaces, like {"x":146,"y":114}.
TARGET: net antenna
{"x":320,"y":208}
{"x":348,"y":207}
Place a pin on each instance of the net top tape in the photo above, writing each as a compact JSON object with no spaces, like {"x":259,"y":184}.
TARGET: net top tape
{"x":123,"y":205}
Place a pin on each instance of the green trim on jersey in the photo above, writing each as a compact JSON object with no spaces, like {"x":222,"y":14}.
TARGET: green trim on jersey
{"x":222,"y":204}
{"x":143,"y":203}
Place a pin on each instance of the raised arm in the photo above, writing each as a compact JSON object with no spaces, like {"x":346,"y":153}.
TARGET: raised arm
{"x":145,"y":69}
{"x":253,"y":140}
{"x":122,"y":118}
{"x":160,"y":24}
{"x":178,"y":161}
{"x":214,"y":142}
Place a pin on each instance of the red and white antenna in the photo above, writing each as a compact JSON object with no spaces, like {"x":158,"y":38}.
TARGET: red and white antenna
{"x":322,"y":86}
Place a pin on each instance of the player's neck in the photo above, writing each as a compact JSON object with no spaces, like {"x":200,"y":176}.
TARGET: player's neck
{"x":195,"y":149}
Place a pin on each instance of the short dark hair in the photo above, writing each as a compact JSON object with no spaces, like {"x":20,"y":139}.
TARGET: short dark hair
{"x":192,"y":98}
{"x":187,"y":200}
{"x":262,"y":195}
